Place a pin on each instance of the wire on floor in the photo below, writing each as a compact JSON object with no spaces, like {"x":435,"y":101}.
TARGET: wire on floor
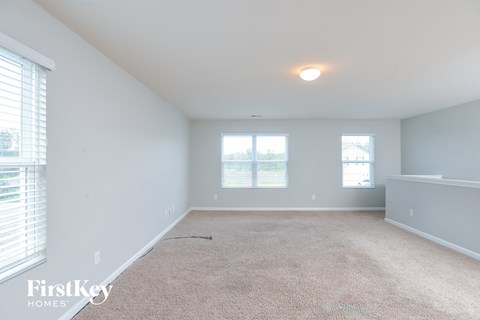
{"x":190,"y":237}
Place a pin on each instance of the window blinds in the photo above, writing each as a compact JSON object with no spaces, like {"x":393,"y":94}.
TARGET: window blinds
{"x":22,"y":164}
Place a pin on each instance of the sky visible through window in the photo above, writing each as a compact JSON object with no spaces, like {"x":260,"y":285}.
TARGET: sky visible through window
{"x":243,"y":144}
{"x":237,"y":145}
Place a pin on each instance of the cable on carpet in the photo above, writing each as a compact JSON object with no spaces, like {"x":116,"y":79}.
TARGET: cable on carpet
{"x":147,"y":252}
{"x":190,"y":237}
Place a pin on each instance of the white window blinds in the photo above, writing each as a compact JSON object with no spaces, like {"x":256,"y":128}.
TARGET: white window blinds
{"x":22,"y":164}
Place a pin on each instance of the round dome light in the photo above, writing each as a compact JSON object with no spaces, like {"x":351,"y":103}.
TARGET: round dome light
{"x":310,"y":73}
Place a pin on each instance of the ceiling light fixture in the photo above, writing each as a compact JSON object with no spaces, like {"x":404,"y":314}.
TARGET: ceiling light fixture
{"x":309,"y":73}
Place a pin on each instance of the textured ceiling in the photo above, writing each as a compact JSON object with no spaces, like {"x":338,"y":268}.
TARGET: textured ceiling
{"x":225,"y":59}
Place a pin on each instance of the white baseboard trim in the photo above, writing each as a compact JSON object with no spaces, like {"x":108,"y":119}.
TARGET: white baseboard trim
{"x":442,"y":242}
{"x":287,"y":209}
{"x":82,"y":303}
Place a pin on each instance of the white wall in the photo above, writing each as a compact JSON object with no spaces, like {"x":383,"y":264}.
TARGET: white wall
{"x":117,"y":157}
{"x":443,"y":142}
{"x":314,"y":163}
{"x":441,"y":210}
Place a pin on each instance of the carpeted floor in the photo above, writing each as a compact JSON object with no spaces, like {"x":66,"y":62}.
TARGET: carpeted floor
{"x":294,"y":265}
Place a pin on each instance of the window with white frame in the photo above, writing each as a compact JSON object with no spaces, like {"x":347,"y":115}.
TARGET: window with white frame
{"x":254,"y":160}
{"x":22,"y":164}
{"x":358,"y":160}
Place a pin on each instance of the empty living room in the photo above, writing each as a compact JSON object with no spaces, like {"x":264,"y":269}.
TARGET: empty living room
{"x":251,"y":160}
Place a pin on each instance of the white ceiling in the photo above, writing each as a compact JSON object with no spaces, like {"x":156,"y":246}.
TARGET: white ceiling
{"x":228,"y":59}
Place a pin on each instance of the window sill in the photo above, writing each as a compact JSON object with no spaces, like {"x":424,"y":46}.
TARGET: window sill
{"x":359,"y":187}
{"x":254,"y":187}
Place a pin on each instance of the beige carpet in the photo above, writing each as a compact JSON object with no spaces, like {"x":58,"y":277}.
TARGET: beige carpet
{"x":294,"y":265}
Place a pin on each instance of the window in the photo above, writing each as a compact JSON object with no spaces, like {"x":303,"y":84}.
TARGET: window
{"x":358,"y":161}
{"x":254,"y":161}
{"x":22,"y":164}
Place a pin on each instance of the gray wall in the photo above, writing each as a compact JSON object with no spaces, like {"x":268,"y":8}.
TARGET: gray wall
{"x":445,"y":142}
{"x":446,"y":212}
{"x":117,"y":157}
{"x":314,"y":163}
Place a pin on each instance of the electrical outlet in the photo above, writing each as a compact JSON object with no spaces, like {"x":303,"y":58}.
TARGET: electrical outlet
{"x":411,"y":212}
{"x":215,"y":196}
{"x":314,"y":197}
{"x":96,"y":257}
